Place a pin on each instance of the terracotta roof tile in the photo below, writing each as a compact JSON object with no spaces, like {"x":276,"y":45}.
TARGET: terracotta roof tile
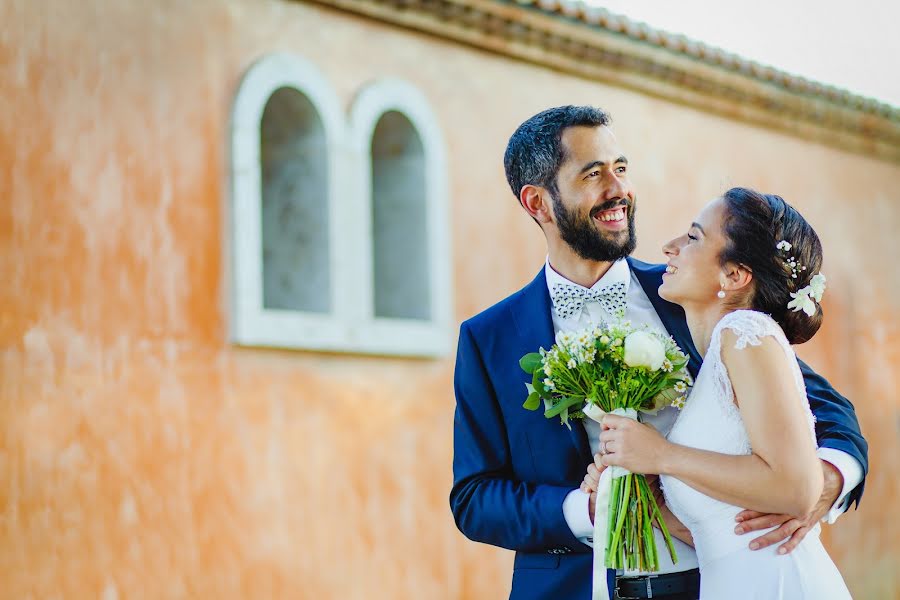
{"x":596,"y":16}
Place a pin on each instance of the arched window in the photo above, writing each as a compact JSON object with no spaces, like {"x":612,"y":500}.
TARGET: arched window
{"x":407,"y":226}
{"x":399,"y":220}
{"x":287,"y":128}
{"x":339,"y":236}
{"x":294,"y":186}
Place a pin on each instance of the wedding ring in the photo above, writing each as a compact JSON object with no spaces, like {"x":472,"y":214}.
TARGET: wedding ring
{"x":603,"y":449}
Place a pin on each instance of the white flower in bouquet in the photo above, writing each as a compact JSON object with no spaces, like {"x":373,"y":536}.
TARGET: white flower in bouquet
{"x":564,"y":338}
{"x":643,"y":349}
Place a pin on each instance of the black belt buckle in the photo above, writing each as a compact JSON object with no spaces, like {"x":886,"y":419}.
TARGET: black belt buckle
{"x":661,"y":585}
{"x":634,"y":580}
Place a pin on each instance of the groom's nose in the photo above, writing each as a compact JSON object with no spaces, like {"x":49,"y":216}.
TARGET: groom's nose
{"x":617,"y":187}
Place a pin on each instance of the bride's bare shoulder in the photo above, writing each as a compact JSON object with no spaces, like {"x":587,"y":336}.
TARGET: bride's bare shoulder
{"x":759,"y":370}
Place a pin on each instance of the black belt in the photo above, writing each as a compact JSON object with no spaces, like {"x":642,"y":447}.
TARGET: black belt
{"x":659,"y":586}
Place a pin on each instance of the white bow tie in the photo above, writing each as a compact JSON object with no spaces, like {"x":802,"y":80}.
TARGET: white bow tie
{"x":568,"y":300}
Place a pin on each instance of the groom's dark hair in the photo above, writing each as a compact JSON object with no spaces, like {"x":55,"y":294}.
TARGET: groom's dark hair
{"x":535,"y":151}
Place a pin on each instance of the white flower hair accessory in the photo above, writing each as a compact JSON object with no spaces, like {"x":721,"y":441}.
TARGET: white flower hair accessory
{"x":805,"y":297}
{"x":784,"y":248}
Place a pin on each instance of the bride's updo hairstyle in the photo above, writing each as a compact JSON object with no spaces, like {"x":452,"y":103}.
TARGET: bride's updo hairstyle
{"x":754,"y":225}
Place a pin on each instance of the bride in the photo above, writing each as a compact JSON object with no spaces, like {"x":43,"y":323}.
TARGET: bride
{"x":747,"y":275}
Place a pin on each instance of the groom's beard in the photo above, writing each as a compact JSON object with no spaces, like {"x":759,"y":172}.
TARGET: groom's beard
{"x":582,"y":236}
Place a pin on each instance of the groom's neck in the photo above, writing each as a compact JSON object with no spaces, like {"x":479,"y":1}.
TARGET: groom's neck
{"x":576,"y":269}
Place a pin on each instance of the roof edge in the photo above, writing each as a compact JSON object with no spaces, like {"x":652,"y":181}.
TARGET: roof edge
{"x":601,"y":18}
{"x":589,"y":42}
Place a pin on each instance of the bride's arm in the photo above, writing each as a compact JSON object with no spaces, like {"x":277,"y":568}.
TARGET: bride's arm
{"x":783,"y":475}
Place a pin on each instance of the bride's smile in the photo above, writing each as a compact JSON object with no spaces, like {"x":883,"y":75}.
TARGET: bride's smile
{"x":694,"y":274}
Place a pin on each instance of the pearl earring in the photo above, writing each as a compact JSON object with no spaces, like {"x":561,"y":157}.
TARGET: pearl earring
{"x":721,"y":294}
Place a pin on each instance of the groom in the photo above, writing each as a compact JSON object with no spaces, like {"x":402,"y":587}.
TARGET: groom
{"x":516,"y":475}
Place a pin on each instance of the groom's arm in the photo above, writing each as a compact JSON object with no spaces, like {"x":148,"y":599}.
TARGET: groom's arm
{"x":838,"y":433}
{"x":488,"y":503}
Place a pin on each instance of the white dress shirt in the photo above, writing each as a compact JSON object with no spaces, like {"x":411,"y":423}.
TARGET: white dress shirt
{"x":640,"y":311}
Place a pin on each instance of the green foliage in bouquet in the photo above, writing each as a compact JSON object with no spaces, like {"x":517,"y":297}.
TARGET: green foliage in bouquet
{"x":612,"y":367}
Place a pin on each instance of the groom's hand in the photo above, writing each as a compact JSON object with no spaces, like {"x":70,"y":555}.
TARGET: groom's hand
{"x":591,"y":483}
{"x":790,"y":528}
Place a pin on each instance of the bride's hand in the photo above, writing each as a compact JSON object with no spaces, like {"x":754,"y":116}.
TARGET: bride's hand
{"x":591,"y":482}
{"x":635,"y":446}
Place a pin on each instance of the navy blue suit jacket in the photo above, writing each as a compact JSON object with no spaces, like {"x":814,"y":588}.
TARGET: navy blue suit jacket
{"x":512,"y":468}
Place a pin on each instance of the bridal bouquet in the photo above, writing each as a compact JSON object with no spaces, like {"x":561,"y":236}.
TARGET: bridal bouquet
{"x":621,"y":370}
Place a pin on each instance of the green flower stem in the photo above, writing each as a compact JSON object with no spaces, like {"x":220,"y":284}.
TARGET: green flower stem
{"x":615,"y":492}
{"x":620,"y":517}
{"x":650,"y":555}
{"x":657,"y":515}
{"x":633,"y":512}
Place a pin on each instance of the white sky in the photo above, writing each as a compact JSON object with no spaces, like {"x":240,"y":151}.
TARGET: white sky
{"x":853,"y":45}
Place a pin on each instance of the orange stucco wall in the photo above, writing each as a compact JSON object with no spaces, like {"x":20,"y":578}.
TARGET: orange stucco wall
{"x":144,"y":456}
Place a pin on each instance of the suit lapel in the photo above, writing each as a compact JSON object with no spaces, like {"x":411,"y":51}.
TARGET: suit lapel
{"x":671,"y":315}
{"x":531,"y":312}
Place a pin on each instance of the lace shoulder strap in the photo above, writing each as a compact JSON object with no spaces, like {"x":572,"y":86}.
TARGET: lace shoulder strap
{"x":750,"y":326}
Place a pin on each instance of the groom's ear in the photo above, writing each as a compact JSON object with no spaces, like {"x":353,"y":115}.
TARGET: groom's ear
{"x":736,"y":277}
{"x":535,"y":200}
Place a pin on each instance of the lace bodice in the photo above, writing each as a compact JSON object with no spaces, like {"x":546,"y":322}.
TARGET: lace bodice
{"x":712,"y":421}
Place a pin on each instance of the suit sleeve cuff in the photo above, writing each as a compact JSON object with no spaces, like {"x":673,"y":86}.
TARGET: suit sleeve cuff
{"x":577,"y":516}
{"x":850,"y":470}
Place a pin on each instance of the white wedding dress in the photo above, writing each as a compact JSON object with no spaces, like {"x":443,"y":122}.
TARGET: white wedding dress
{"x":710,"y":420}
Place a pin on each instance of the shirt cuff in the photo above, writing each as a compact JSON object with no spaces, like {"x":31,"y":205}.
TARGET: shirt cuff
{"x":852,"y":473}
{"x":578,"y":518}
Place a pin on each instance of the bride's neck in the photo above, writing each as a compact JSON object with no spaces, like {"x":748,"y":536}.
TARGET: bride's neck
{"x":701,"y":321}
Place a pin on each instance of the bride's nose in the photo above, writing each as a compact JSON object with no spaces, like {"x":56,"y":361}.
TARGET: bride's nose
{"x":671,"y":248}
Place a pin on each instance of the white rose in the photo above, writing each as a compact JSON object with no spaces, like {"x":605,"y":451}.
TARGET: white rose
{"x":644,"y":349}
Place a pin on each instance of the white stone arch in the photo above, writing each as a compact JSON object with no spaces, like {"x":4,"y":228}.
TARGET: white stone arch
{"x":398,"y":335}
{"x":252,"y":323}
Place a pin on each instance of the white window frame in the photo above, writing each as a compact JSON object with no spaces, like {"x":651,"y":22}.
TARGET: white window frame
{"x":350,"y":326}
{"x":251,"y":323}
{"x":391,"y":335}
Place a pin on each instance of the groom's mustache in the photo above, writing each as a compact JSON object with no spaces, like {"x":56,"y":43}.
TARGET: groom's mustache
{"x":615,"y":203}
